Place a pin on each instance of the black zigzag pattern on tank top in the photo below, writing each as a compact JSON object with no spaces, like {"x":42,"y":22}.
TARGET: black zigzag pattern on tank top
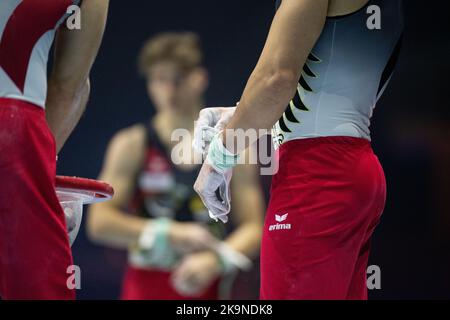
{"x":297,"y":102}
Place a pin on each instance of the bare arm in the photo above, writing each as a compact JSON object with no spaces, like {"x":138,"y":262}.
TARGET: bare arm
{"x":295,"y":29}
{"x":68,"y":84}
{"x":108,"y":223}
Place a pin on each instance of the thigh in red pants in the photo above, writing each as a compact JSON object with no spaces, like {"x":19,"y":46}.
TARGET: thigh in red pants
{"x":326,"y":201}
{"x":34,"y":247}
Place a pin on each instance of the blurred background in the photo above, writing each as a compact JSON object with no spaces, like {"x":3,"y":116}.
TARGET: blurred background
{"x":411,"y":131}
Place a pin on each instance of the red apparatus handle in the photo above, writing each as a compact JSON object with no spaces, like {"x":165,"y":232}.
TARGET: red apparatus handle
{"x":99,"y":190}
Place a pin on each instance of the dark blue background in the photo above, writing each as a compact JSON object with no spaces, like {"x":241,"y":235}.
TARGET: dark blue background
{"x":411,"y":127}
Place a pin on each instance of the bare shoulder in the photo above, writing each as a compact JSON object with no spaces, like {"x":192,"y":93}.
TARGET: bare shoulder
{"x":130,"y":137}
{"x":344,"y":7}
{"x":128,"y":143}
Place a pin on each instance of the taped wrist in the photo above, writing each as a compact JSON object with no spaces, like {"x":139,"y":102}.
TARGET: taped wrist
{"x":219,"y":157}
{"x":231,"y":260}
{"x":154,"y":248}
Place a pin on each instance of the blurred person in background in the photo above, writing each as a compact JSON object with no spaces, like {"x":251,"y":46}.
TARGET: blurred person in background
{"x":175,"y":250}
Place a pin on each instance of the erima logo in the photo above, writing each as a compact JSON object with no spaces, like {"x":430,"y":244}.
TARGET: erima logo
{"x":279,"y":225}
{"x":281,"y":218}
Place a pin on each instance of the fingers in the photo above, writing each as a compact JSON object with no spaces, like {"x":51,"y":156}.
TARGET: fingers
{"x":215,"y":216}
{"x":210,"y":122}
{"x":193,"y":238}
{"x":223,"y":122}
{"x":203,"y":130}
{"x":207,"y":117}
{"x":186,"y":280}
{"x":206,"y":185}
{"x":225,"y":118}
{"x":202,"y":239}
{"x":202,"y":137}
{"x":217,"y":210}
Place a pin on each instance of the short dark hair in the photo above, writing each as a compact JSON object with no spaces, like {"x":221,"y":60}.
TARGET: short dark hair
{"x":182,"y":48}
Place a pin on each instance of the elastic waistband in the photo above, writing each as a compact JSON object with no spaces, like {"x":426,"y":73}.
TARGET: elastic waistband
{"x":15,"y":103}
{"x":320,"y":141}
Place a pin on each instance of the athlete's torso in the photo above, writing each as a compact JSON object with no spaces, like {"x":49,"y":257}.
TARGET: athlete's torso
{"x":344,"y":76}
{"x":27,"y":31}
{"x":162,"y":190}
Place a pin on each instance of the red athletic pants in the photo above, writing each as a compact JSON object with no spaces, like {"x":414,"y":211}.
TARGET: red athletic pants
{"x":326,"y":200}
{"x":34,"y":246}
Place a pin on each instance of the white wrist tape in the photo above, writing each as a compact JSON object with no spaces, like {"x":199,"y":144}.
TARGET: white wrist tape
{"x":219,"y":157}
{"x":154,"y":249}
{"x":232,"y":259}
{"x":147,"y":237}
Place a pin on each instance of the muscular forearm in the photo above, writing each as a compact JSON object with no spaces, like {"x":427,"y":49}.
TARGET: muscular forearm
{"x":109,"y":225}
{"x":263,"y":102}
{"x":64,"y":108}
